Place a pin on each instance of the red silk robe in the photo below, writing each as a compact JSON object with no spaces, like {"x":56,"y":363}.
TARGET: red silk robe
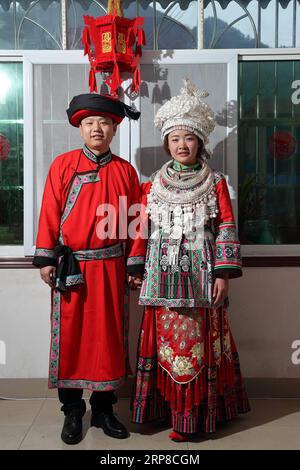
{"x":89,"y":320}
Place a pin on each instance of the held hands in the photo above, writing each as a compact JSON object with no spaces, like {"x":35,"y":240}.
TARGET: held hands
{"x":135,"y":281}
{"x":48,"y":275}
{"x":220,"y":293}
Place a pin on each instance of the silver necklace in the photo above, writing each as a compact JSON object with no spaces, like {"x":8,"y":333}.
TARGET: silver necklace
{"x":179,"y":208}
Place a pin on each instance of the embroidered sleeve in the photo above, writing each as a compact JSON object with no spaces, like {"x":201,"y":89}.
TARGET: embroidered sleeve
{"x":49,"y":221}
{"x":137,"y":231}
{"x":228,"y":252}
{"x":44,"y":257}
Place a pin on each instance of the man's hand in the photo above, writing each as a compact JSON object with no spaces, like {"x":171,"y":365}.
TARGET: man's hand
{"x":135,"y":281}
{"x":48,"y":275}
{"x":220,"y":291}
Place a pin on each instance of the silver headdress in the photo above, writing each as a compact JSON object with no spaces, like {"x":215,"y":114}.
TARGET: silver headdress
{"x":187,"y":111}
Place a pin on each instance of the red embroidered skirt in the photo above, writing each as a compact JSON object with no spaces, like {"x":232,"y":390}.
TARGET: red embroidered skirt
{"x":188,"y":369}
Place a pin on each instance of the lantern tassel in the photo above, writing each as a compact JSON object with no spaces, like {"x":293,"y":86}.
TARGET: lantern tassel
{"x":131,"y":38}
{"x":141,"y":37}
{"x":114,"y":80}
{"x":93,"y":81}
{"x":136,"y":81}
{"x":86,"y":41}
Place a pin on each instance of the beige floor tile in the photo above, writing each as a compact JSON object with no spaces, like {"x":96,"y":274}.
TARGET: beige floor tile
{"x":270,"y":411}
{"x":47,"y":437}
{"x":261,"y":438}
{"x":50,"y":413}
{"x":12,"y":436}
{"x":14,"y":412}
{"x":96,"y":439}
{"x":272,"y":424}
{"x":200,"y":444}
{"x":44,"y":437}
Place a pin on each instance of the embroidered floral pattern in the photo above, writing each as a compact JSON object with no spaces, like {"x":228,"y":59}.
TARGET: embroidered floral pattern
{"x":90,"y":385}
{"x":44,"y":252}
{"x":101,"y":253}
{"x":227,"y":344}
{"x":228,"y":254}
{"x":55,"y":335}
{"x":166,"y":353}
{"x":75,"y":189}
{"x":182,"y":366}
{"x":180,"y":342}
{"x":91,"y":156}
{"x":132,"y":260}
{"x":217,"y":349}
{"x":187,"y":284}
{"x":198,"y":351}
{"x":74,"y":280}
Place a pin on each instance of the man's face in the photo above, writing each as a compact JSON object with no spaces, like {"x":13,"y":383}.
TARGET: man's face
{"x":97,"y":132}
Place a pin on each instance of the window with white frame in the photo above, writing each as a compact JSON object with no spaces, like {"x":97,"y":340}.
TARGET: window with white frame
{"x":269,"y":152}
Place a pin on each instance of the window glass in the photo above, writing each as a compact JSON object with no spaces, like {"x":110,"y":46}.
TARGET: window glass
{"x":163,"y":82}
{"x":11,"y":154}
{"x":251,"y":24}
{"x":53,"y":134}
{"x":167,"y":25}
{"x":29,"y":24}
{"x":269,"y":152}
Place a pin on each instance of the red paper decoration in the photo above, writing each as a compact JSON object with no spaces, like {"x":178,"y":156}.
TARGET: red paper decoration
{"x":282,"y":145}
{"x":114,"y":44}
{"x":4,"y":148}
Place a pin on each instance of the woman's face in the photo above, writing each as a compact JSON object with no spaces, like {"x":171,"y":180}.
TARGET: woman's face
{"x":183,"y":146}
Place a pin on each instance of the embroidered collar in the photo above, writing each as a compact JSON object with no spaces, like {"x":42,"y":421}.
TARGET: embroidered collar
{"x":180,"y":167}
{"x":181,"y":206}
{"x":101,"y":160}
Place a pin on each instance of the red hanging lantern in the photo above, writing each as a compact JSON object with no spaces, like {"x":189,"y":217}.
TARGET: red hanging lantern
{"x":4,"y":148}
{"x":282,"y":145}
{"x":114,"y":44}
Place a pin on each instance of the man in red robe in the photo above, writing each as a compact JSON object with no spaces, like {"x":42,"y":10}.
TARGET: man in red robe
{"x":84,"y":252}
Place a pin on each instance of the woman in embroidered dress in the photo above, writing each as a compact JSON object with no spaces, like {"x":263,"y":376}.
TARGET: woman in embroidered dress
{"x":188,"y":366}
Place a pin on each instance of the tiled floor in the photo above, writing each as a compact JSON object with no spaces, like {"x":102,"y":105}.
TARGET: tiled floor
{"x":36,"y":424}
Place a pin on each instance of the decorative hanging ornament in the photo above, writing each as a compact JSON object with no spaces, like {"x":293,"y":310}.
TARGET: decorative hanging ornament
{"x":4,"y":148}
{"x":114,"y":45}
{"x":282,"y":145}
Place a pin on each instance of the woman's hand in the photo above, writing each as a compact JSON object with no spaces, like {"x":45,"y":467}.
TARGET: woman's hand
{"x":220,"y":293}
{"x":135,"y":281}
{"x":48,"y":275}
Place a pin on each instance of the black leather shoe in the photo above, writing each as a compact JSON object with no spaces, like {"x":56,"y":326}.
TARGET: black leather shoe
{"x":110,"y":425}
{"x":72,"y":429}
